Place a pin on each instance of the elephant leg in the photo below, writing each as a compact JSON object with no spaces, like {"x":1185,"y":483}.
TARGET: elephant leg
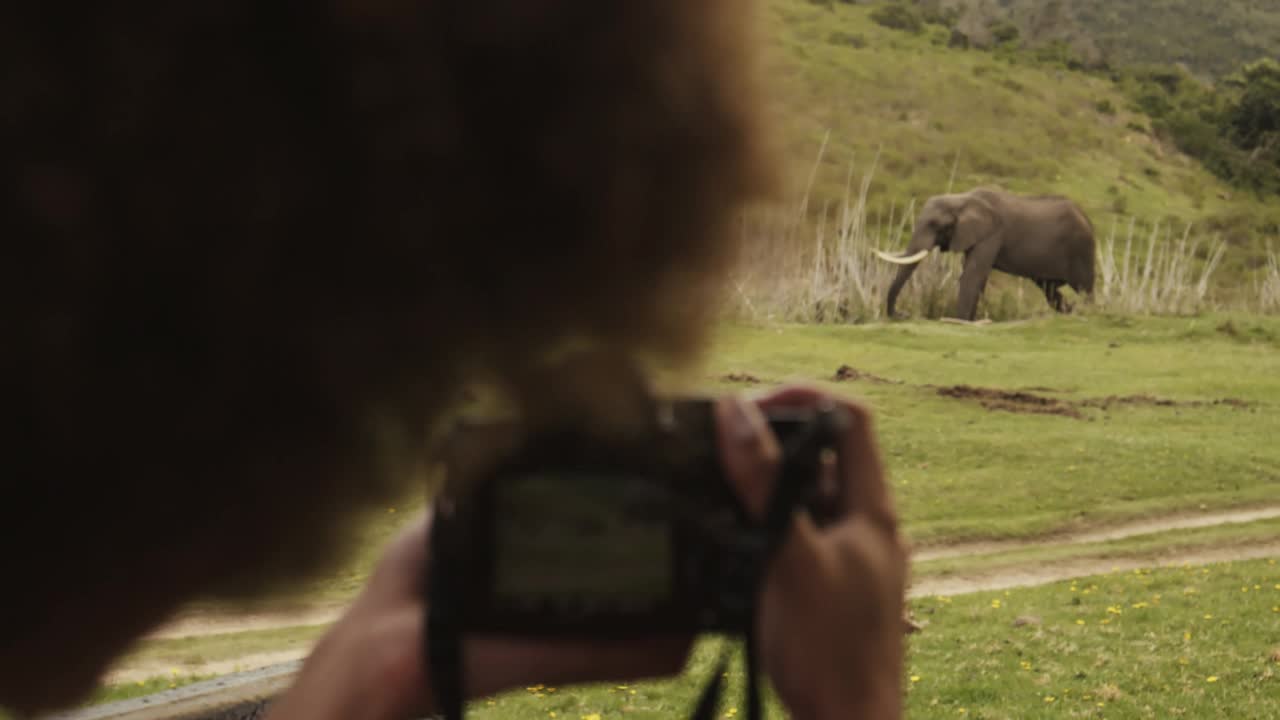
{"x":977,"y":268}
{"x":1053,"y":293}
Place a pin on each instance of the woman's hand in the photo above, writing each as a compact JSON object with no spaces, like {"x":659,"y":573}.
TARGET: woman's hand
{"x":830,"y":619}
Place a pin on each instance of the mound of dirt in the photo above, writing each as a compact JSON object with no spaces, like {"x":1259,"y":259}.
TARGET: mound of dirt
{"x":848,"y":372}
{"x":1015,"y":402}
{"x":744,"y":378}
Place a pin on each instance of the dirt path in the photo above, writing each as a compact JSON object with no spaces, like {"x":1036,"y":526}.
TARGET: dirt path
{"x":145,"y":671}
{"x":1049,"y":572}
{"x":1115,"y":532}
{"x":200,"y":624}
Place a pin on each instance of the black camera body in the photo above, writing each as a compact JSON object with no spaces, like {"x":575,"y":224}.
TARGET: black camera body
{"x":568,"y":532}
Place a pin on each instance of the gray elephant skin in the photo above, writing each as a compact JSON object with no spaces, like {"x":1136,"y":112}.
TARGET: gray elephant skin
{"x":1046,"y":239}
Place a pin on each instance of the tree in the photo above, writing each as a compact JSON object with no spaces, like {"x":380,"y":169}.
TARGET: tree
{"x":1254,"y":119}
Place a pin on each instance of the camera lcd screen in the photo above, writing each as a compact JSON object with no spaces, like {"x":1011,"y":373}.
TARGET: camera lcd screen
{"x":580,"y":538}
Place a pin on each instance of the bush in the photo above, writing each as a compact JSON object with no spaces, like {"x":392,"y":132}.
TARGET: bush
{"x":1005,"y":33}
{"x":853,"y":40}
{"x":899,"y":17}
{"x":1105,"y":107}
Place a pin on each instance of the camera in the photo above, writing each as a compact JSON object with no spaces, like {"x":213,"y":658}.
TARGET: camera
{"x":569,"y":530}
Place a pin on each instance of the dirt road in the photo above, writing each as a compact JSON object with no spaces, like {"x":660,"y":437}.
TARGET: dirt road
{"x":203,"y":624}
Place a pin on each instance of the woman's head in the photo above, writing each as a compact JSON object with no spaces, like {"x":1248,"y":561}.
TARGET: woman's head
{"x":255,"y":248}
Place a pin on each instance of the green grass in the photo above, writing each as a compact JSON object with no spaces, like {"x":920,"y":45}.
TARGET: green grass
{"x":963,"y":472}
{"x":1031,"y":128}
{"x":1193,"y":642}
{"x":1131,"y":653}
{"x":141,"y":688}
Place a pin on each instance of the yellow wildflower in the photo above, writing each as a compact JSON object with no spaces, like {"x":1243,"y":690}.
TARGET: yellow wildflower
{"x":1079,"y":621}
{"x":1049,"y":698}
{"x":915,"y":678}
{"x":1211,"y":678}
{"x":995,"y":603}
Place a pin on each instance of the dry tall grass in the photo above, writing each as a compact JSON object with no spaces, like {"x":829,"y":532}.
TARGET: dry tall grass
{"x":1162,"y":280}
{"x":1267,"y":288}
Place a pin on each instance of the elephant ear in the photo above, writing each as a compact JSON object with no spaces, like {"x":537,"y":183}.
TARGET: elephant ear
{"x":976,"y":222}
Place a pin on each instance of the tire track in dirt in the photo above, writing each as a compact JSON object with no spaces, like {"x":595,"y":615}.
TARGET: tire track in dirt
{"x":1051,"y":572}
{"x":1149,"y":526}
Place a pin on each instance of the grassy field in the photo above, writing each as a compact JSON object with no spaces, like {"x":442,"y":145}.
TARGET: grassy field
{"x":1017,"y":468}
{"x":1193,"y":642}
{"x":1165,"y":643}
{"x":986,"y":465}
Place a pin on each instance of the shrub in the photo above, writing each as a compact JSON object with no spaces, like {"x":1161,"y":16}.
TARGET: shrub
{"x":853,"y":40}
{"x":1004,"y":33}
{"x":1105,"y":107}
{"x":899,"y":17}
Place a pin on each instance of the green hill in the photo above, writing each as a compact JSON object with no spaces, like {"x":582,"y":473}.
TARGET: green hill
{"x":996,"y":117}
{"x":1211,"y":37}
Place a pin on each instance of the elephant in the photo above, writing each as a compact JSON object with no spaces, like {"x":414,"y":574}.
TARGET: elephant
{"x":1047,"y":239}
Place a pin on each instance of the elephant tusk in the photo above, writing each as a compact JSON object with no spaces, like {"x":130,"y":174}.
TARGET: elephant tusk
{"x":902,"y":260}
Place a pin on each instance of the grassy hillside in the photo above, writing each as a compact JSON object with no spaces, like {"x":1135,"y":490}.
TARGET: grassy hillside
{"x":992,"y":117}
{"x":1213,"y":38}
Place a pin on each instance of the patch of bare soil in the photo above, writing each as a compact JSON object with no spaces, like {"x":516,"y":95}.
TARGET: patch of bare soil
{"x":1027,"y":401}
{"x":744,"y":378}
{"x":1012,"y":401}
{"x":846,"y":373}
{"x":1106,"y":403}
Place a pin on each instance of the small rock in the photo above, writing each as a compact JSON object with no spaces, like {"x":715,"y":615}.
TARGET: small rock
{"x":1022,"y":620}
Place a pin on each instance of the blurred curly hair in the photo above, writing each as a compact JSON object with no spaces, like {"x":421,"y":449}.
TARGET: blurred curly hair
{"x":252,"y":250}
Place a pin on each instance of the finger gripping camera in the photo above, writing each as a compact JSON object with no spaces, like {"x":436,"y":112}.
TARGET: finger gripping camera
{"x":565,"y":531}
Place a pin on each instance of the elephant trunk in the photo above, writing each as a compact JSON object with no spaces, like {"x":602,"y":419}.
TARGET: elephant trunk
{"x":921,"y":242}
